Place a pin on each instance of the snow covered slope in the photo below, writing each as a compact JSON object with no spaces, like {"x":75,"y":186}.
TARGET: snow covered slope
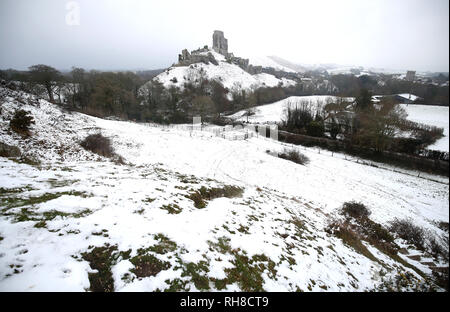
{"x":274,"y":112}
{"x":65,"y":218}
{"x":434,"y":116}
{"x":266,"y":61}
{"x":229,"y":75}
{"x":427,"y":114}
{"x":58,"y":132}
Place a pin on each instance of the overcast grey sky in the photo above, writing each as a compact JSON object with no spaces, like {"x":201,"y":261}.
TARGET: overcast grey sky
{"x":146,"y":34}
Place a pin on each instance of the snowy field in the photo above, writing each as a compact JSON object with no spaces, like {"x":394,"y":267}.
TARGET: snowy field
{"x":427,"y":114}
{"x":431,"y":115}
{"x":266,"y":61}
{"x":55,"y":214}
{"x":270,"y":113}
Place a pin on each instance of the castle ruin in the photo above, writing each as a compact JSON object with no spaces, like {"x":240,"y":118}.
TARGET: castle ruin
{"x":203,"y":55}
{"x":220,"y":43}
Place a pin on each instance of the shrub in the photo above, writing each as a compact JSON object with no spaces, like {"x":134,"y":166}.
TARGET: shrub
{"x":351,"y":237}
{"x":441,"y":278}
{"x":355,"y":209}
{"x":436,"y":249}
{"x":406,"y":230}
{"x":98,"y":144}
{"x":203,"y":194}
{"x":198,"y":200}
{"x":295,"y":156}
{"x":9,"y":150}
{"x":228,"y":191}
{"x":315,"y":129}
{"x":443,"y":226}
{"x":21,"y":121}
{"x":372,"y":232}
{"x":376,"y":232}
{"x":335,"y":129}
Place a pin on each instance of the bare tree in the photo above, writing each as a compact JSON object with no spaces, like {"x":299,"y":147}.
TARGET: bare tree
{"x":46,"y":76}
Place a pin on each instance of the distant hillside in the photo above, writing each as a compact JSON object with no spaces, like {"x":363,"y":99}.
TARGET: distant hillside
{"x":288,"y":64}
{"x":230,"y":75}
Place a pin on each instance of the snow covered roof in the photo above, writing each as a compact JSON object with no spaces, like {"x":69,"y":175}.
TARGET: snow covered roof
{"x":409,"y":96}
{"x":406,"y":96}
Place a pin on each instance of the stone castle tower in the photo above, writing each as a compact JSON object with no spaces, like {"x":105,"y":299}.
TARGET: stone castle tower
{"x":220,"y":43}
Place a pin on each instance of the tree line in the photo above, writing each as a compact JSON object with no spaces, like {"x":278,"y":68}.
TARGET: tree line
{"x":350,"y":85}
{"x":361,"y":123}
{"x":135,"y":96}
{"x":132,"y":96}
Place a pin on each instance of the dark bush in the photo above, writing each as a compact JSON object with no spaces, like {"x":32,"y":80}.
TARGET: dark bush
{"x":295,"y":156}
{"x":21,"y":121}
{"x":355,"y":209}
{"x":441,"y":278}
{"x":436,"y":249}
{"x":203,"y":194}
{"x":406,"y":145}
{"x":334,"y":129}
{"x":228,"y":191}
{"x":406,"y":230}
{"x":198,"y":200}
{"x":315,"y":129}
{"x":376,"y":231}
{"x":9,"y":150}
{"x":444,"y":226}
{"x":350,"y":237}
{"x":98,"y":144}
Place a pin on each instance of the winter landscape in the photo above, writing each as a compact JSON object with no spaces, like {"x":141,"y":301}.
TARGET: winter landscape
{"x":221,"y":173}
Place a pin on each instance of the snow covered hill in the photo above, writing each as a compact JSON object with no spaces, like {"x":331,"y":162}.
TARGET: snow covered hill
{"x":77,"y":221}
{"x":426,"y":114}
{"x":266,"y":61}
{"x":230,"y":75}
{"x":274,"y":113}
{"x":433,"y":116}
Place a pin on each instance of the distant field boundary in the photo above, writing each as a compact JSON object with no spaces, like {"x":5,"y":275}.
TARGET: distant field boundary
{"x":398,"y":159}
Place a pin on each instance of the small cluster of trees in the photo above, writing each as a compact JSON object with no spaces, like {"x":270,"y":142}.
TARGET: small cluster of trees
{"x":350,"y":85}
{"x":376,"y":126}
{"x":361,"y":123}
{"x":104,"y":93}
{"x":305,"y":118}
{"x":198,"y":97}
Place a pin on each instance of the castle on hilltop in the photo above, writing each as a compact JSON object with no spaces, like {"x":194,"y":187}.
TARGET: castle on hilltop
{"x":203,"y":55}
{"x":220,"y":45}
